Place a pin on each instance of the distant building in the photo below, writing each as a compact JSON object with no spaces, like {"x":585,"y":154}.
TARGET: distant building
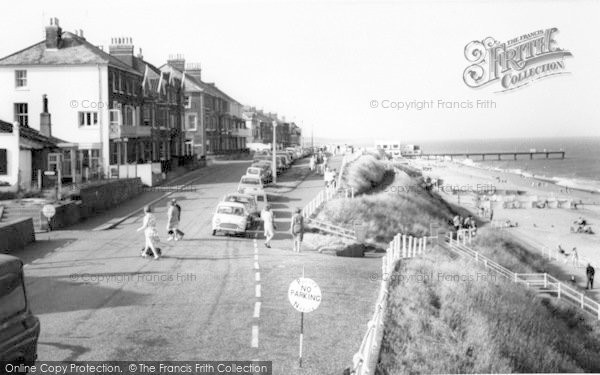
{"x":395,"y":149}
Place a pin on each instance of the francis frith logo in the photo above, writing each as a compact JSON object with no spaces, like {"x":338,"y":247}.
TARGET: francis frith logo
{"x":514,"y":63}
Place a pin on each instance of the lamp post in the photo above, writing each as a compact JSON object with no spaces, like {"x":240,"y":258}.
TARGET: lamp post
{"x":274,"y":166}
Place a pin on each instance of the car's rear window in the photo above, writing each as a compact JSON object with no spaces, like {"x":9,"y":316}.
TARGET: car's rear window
{"x":12,"y":296}
{"x":250,"y":181}
{"x":253,"y":171}
{"x":228,"y":210}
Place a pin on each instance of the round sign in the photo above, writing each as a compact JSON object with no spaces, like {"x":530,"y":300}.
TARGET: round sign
{"x":304,"y":294}
{"x":48,"y":211}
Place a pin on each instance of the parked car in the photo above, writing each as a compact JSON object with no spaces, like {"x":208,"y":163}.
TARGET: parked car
{"x":249,"y":202}
{"x":258,"y":171}
{"x":19,"y":328}
{"x":230,"y":217}
{"x":252,"y":185}
{"x":287,"y":159}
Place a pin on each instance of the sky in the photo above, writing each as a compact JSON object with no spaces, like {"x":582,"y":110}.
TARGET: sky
{"x":331,"y":66}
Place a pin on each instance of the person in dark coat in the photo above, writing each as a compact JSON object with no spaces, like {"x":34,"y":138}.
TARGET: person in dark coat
{"x":590,"y":271}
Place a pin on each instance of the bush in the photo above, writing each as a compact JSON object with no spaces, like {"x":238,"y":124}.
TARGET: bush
{"x":365,"y":174}
{"x":410,"y":210}
{"x":438,"y":326}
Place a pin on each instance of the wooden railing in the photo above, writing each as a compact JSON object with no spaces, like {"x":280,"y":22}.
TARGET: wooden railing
{"x":401,"y":247}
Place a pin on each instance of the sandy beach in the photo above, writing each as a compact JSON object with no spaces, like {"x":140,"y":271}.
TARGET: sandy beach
{"x":543,"y":228}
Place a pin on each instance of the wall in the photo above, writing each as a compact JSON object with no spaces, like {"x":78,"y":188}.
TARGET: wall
{"x":66,"y":214}
{"x":25,"y":168}
{"x":98,"y":198}
{"x":10,"y":142}
{"x":16,"y":234}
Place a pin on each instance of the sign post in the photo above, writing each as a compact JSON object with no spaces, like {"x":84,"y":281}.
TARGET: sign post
{"x":305,"y":296}
{"x":49,"y":211}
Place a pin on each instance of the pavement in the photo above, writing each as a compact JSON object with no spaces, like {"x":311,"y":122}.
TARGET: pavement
{"x":208,"y":297}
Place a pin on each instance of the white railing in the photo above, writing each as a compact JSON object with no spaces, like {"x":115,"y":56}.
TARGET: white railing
{"x":330,"y":228}
{"x":324,"y":196}
{"x":544,"y":281}
{"x":402,"y":246}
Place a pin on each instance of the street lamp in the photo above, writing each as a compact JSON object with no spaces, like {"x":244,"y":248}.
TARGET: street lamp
{"x":274,"y":166}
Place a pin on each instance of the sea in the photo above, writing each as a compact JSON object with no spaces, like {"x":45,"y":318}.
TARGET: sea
{"x":580,"y":169}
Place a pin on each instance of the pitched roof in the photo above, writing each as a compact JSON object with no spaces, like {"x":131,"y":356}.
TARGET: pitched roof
{"x":31,"y":134}
{"x":74,"y":50}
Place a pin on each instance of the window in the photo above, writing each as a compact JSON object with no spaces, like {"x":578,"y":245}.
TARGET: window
{"x":88,"y":118}
{"x":21,"y":114}
{"x":128,"y":115}
{"x":54,"y":161}
{"x":171,"y":121}
{"x":21,"y":78}
{"x":191,"y":122}
{"x":147,"y":116}
{"x":113,"y":80}
{"x":187,"y":102}
{"x":3,"y":162}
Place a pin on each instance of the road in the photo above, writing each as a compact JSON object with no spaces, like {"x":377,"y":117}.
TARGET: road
{"x":207,"y":298}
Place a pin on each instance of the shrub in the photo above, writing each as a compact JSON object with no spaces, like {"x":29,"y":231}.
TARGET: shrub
{"x":365,"y":174}
{"x":410,"y":210}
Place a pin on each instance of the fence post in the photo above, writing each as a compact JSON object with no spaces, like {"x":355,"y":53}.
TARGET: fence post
{"x":558,"y":295}
{"x":404,"y":246}
{"x":545,"y":280}
{"x":425,"y":245}
{"x":476,"y":257}
{"x":515,"y":277}
{"x":410,"y":246}
{"x":581,"y":294}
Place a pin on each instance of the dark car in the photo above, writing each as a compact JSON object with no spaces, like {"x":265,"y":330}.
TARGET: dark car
{"x":19,"y":328}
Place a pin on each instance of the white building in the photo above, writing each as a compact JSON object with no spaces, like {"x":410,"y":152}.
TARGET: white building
{"x":74,"y":75}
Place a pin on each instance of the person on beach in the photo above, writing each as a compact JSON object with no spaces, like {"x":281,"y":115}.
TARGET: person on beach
{"x":590,"y":271}
{"x":150,"y":233}
{"x":173,"y":219}
{"x":575,"y":257}
{"x":297,"y":229}
{"x":269,"y":224}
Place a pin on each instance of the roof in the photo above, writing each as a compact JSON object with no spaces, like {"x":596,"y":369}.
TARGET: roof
{"x":31,"y":134}
{"x":74,"y":50}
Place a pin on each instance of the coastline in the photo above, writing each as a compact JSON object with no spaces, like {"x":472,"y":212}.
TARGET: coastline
{"x":543,"y":228}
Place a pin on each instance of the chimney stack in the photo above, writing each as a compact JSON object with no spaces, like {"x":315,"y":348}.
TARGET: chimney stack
{"x":194,"y":70}
{"x":177,"y":62}
{"x":45,"y":123}
{"x":122,"y":49}
{"x":53,"y":34}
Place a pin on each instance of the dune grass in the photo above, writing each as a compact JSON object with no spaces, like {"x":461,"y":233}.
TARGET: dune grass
{"x":401,"y":207}
{"x":480,"y":326}
{"x":365,"y":173}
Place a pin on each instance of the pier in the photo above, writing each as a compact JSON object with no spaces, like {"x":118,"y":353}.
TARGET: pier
{"x":497,"y":155}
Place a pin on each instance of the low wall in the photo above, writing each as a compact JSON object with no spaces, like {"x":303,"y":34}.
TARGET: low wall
{"x":98,"y":198}
{"x":14,"y":235}
{"x":66,"y":214}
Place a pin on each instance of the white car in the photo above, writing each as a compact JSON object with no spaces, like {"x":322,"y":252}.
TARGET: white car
{"x":230,"y":217}
{"x":252,"y":185}
{"x":249,"y":202}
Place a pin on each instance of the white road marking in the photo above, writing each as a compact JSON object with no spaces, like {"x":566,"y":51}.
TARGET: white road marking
{"x":255,"y":265}
{"x":255,"y":256}
{"x":257,"y":276}
{"x":258,"y":291}
{"x":257,"y":309}
{"x":254,"y":336}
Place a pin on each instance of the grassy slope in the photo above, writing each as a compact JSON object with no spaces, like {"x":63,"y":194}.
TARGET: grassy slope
{"x":479,"y":326}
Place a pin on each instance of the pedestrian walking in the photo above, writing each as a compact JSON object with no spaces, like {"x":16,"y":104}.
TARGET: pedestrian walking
{"x":312,"y":163}
{"x":590,"y":271}
{"x":150,"y":233}
{"x":173,"y":220}
{"x":268,"y":219}
{"x":297,"y":229}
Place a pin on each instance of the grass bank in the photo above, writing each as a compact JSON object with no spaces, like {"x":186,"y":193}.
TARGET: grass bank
{"x":453,"y":317}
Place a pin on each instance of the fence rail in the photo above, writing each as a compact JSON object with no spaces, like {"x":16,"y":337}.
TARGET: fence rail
{"x":401,"y":247}
{"x":545,"y":282}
